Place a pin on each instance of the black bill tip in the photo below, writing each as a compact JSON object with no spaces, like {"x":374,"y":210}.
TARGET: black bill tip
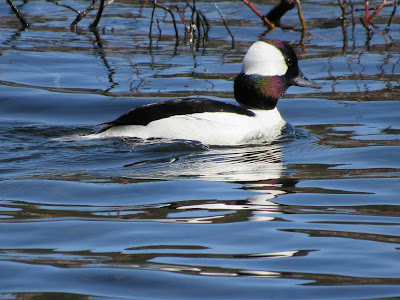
{"x":303,"y":81}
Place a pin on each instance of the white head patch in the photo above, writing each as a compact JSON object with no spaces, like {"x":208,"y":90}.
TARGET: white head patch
{"x":264,"y":59}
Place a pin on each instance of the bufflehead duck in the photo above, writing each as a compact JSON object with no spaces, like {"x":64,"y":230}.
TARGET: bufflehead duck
{"x":269,"y":68}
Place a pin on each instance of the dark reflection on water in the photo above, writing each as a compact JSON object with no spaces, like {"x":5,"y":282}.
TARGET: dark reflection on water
{"x":314,"y":215}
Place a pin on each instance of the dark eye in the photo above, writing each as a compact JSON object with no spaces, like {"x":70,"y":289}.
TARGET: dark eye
{"x":289,"y":62}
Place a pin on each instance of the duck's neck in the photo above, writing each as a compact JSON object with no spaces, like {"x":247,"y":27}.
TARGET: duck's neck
{"x":258,"y":91}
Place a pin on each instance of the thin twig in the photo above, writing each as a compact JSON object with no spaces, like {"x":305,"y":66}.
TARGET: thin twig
{"x":264,"y":18}
{"x":377,"y":11}
{"x":391,"y":16}
{"x":344,"y":25}
{"x":198,"y":24}
{"x":366,"y":13}
{"x":353,"y":23}
{"x":152,"y":20}
{"x":373,"y":7}
{"x":207,"y":24}
{"x":63,"y":5}
{"x":16,"y":11}
{"x":343,"y":7}
{"x":159,"y":29}
{"x":182,"y":17}
{"x":200,"y":20}
{"x":303,"y":23}
{"x":192,"y":25}
{"x":203,"y":21}
{"x":369,"y":31}
{"x":226,"y":25}
{"x":172,"y":16}
{"x":105,"y":4}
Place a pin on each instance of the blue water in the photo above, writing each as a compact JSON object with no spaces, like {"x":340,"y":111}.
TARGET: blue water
{"x":313,"y":215}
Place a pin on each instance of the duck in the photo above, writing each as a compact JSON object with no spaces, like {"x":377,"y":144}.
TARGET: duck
{"x":269,"y":68}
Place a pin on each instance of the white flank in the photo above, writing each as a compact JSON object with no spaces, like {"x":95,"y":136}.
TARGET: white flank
{"x":215,"y":128}
{"x":264,"y":59}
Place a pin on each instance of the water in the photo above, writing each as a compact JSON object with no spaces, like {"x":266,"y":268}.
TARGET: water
{"x":314,"y":215}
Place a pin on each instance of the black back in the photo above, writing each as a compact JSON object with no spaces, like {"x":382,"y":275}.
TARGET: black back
{"x":145,"y":114}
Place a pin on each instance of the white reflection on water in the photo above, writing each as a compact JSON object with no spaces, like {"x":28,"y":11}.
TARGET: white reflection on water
{"x":258,"y":168}
{"x":192,"y":160}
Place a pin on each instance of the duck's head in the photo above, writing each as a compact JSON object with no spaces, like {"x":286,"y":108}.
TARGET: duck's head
{"x":269,"y":68}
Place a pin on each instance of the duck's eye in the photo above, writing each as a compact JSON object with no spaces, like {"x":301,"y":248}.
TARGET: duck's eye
{"x":289,"y":62}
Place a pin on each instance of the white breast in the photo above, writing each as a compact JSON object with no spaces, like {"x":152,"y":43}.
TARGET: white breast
{"x":215,"y":128}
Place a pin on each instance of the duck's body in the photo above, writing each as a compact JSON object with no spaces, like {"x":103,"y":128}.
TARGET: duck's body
{"x":269,"y":68}
{"x":210,"y":122}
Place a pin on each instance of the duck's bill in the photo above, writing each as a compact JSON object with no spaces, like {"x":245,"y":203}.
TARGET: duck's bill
{"x":301,"y":80}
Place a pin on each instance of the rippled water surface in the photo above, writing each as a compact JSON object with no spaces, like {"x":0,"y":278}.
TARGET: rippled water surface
{"x":314,"y":215}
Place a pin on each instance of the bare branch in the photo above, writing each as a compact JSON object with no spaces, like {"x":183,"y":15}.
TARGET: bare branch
{"x":63,"y":5}
{"x":392,"y":15}
{"x":152,"y":20}
{"x":369,"y":31}
{"x":344,"y":25}
{"x":369,"y":18}
{"x":384,"y":3}
{"x":206,"y":22}
{"x":264,"y":18}
{"x":200,"y":20}
{"x":159,"y":29}
{"x":303,"y":23}
{"x":16,"y":11}
{"x":192,"y":25}
{"x":182,"y":18}
{"x":96,"y":21}
{"x":366,"y":14}
{"x":226,"y":25}
{"x":81,"y":15}
{"x":172,"y":16}
{"x":105,"y":4}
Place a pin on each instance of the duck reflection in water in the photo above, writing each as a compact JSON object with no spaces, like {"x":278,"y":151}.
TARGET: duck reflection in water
{"x":256,"y":168}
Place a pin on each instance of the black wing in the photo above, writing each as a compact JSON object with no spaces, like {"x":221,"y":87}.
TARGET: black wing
{"x":145,"y":114}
